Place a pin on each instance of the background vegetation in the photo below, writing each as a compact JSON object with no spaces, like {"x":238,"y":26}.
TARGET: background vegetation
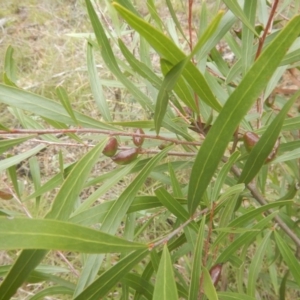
{"x":205,"y":94}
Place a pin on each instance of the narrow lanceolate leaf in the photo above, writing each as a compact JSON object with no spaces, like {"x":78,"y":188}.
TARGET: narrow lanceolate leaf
{"x":236,"y":9}
{"x":237,"y":105}
{"x":174,"y":206}
{"x":106,"y":281}
{"x":196,"y":267}
{"x":256,"y":264}
{"x":10,"y":67}
{"x":118,"y":210}
{"x":66,"y":198}
{"x":165,"y":286}
{"x":110,"y":60}
{"x":45,"y":107}
{"x":65,"y":101}
{"x":27,"y":261}
{"x":61,"y":209}
{"x":6,"y":144}
{"x":245,"y":238}
{"x":174,"y":74}
{"x":264,"y":146}
{"x":234,"y":296}
{"x":51,"y":234}
{"x":96,"y":85}
{"x":208,"y":286}
{"x":168,"y":50}
{"x":288,"y":257}
{"x":11,"y":161}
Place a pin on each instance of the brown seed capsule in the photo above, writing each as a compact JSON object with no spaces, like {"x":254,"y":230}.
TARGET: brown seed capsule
{"x":250,"y":140}
{"x":111,"y":147}
{"x":126,"y":156}
{"x":215,"y":273}
{"x":5,"y":194}
{"x":138,"y":140}
{"x":274,"y":151}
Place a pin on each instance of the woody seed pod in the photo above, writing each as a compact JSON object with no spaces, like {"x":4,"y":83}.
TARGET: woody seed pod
{"x":274,"y":151}
{"x":250,"y":140}
{"x":111,"y":147}
{"x":138,"y":140}
{"x":126,"y":156}
{"x":215,"y":273}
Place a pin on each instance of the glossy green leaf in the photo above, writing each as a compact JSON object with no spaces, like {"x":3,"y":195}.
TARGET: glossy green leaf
{"x":110,"y":60}
{"x":237,"y":105}
{"x":257,"y":263}
{"x":234,"y":296}
{"x":107,"y":280}
{"x":14,"y":160}
{"x":244,"y":238}
{"x":165,"y":286}
{"x":168,"y":50}
{"x":118,"y":210}
{"x":174,"y":74}
{"x":51,"y":234}
{"x":208,"y":286}
{"x":64,"y":202}
{"x":45,"y":108}
{"x":65,"y":101}
{"x":53,"y":290}
{"x":264,"y":146}
{"x":27,"y":261}
{"x":139,"y":67}
{"x":5,"y":144}
{"x":10,"y":67}
{"x":96,"y":85}
{"x":247,"y":217}
{"x":236,"y":9}
{"x":248,"y":36}
{"x":174,"y":207}
{"x":61,"y":209}
{"x":197,"y":262}
{"x":289,"y":257}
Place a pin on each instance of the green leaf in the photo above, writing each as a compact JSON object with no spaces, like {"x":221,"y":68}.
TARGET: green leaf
{"x":14,"y":160}
{"x":96,"y":85}
{"x":6,"y":144}
{"x":64,"y":202}
{"x":244,"y":238}
{"x":65,"y":101}
{"x":236,"y":9}
{"x":107,"y":280}
{"x":247,"y":36}
{"x":53,"y":290}
{"x":10,"y":68}
{"x":197,"y":262}
{"x":51,"y":234}
{"x":24,"y":264}
{"x":208,"y":286}
{"x":174,"y":206}
{"x":237,"y":105}
{"x":289,"y":257}
{"x":45,"y":108}
{"x":234,"y":296}
{"x":165,"y":286}
{"x":264,"y":146}
{"x":257,"y":263}
{"x":118,"y":210}
{"x":168,"y":50}
{"x":110,"y":60}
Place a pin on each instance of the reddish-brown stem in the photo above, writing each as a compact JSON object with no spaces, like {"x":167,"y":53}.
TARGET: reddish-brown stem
{"x":100,"y":131}
{"x":268,"y":26}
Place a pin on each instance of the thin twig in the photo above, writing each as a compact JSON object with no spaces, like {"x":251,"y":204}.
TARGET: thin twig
{"x":100,"y":131}
{"x":261,"y":200}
